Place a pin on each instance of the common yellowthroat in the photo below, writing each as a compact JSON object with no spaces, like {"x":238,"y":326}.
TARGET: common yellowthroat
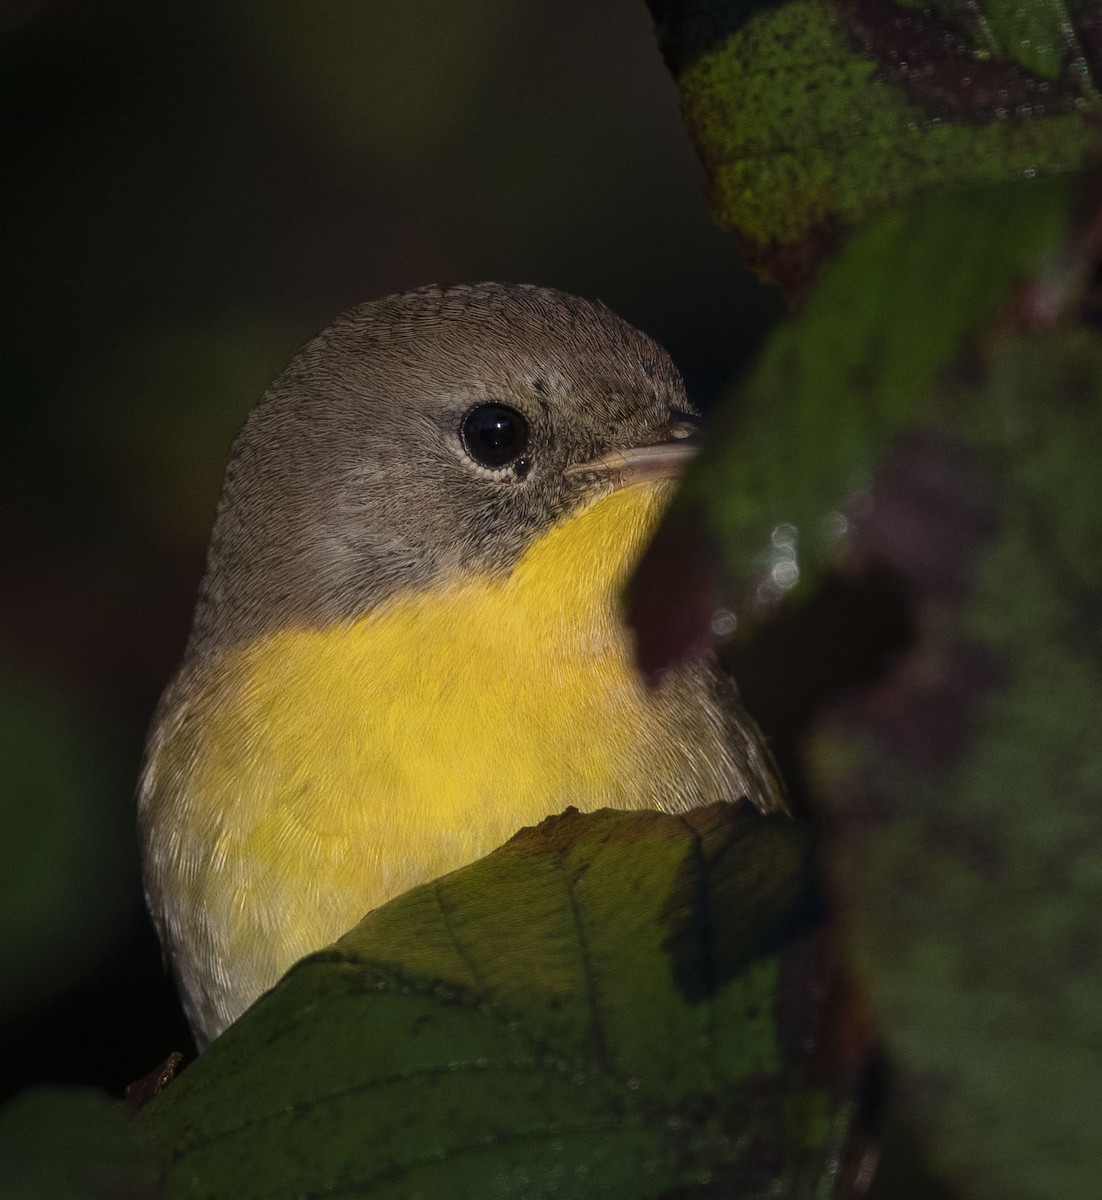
{"x":408,"y":642}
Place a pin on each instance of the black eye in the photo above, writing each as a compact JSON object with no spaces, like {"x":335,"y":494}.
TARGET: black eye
{"x":494,"y":435}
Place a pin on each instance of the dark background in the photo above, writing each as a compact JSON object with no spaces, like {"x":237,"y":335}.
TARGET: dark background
{"x":188,"y":191}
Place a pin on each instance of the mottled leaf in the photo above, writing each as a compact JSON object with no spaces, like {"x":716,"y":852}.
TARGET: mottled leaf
{"x":810,"y":118}
{"x":621,"y":1002}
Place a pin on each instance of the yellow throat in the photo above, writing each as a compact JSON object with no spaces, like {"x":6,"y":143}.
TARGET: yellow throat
{"x":317,"y":773}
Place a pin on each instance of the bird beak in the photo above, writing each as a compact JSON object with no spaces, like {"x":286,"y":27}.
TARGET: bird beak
{"x":644,"y":464}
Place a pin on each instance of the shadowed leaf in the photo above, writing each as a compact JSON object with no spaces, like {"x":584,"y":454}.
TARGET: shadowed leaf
{"x":965,"y":790}
{"x":620,"y":1001}
{"x":895,"y":417}
{"x":833,"y":389}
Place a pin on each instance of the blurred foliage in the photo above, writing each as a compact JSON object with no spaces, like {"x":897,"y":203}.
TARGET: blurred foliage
{"x":965,"y":790}
{"x":69,"y":1144}
{"x":61,"y":861}
{"x":179,"y":388}
{"x":613,"y":1002}
{"x":838,"y":383}
{"x":943,"y":373}
{"x":401,"y":112}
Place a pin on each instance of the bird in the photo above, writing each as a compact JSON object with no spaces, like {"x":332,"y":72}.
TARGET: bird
{"x":408,"y":641}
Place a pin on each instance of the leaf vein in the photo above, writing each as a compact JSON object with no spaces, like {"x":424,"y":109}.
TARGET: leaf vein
{"x":588,"y":974}
{"x":461,"y":950}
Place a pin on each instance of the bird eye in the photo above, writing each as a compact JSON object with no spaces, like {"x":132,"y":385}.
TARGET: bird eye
{"x":494,"y":435}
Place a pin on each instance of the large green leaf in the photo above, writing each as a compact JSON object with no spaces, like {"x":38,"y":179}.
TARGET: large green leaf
{"x":811,"y":116}
{"x":612,"y":1003}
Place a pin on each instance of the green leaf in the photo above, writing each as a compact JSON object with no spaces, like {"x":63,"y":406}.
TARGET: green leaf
{"x":835,"y":386}
{"x":1039,"y":36}
{"x":611,"y":1002}
{"x":965,"y":793}
{"x":70,"y":1144}
{"x":810,"y":118}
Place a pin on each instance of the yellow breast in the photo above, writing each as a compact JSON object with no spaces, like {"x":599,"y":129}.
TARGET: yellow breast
{"x":319,"y":772}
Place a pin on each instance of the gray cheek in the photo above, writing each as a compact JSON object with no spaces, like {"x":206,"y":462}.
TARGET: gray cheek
{"x":365,"y":538}
{"x":407,"y":520}
{"x":358,"y":568}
